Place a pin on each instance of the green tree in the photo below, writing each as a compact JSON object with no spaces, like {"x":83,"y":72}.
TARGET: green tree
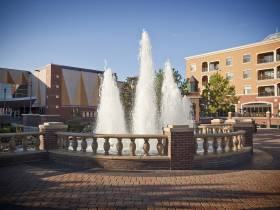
{"x":183,"y":85}
{"x":127,"y":94}
{"x":218,"y":96}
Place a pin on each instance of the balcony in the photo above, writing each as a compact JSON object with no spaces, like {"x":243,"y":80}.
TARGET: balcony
{"x":214,"y":66}
{"x":265,"y":57}
{"x":266,"y":74}
{"x":266,"y":91}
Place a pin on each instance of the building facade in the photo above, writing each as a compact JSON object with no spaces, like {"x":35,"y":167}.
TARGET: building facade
{"x":69,"y":92}
{"x":253,"y":69}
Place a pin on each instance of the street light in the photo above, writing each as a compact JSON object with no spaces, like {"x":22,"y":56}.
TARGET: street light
{"x":5,"y":92}
{"x":30,"y":94}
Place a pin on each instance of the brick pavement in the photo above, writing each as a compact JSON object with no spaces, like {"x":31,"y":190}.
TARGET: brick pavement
{"x":44,"y":185}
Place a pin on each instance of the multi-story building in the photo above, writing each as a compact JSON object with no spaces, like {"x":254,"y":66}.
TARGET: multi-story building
{"x":66,"y":91}
{"x":254,"y":70}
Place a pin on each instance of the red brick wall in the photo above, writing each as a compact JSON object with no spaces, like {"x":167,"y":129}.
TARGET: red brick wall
{"x":180,"y":148}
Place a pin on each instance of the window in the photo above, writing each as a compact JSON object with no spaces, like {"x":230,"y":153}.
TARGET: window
{"x":56,"y":106}
{"x":246,"y":58}
{"x":229,"y":76}
{"x":57,"y":96}
{"x":57,"y":86}
{"x":193,"y":67}
{"x":57,"y":76}
{"x":229,"y":61}
{"x":247,"y":74}
{"x":247,"y":90}
{"x":214,"y":66}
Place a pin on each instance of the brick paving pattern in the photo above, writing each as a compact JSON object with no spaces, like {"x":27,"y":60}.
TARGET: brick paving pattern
{"x":48,"y":186}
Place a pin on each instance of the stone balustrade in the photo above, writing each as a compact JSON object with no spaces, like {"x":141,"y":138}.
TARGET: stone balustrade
{"x":214,"y":128}
{"x":220,"y":141}
{"x":13,"y":142}
{"x":89,"y":142}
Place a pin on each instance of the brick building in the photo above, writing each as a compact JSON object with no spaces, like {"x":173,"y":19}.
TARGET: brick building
{"x":254,"y":70}
{"x":66,"y":91}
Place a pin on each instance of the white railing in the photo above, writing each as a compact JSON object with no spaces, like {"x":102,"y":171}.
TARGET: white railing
{"x":89,"y":142}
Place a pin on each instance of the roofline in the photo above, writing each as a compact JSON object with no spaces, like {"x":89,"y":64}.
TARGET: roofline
{"x":1,"y":68}
{"x":233,"y":48}
{"x":78,"y":68}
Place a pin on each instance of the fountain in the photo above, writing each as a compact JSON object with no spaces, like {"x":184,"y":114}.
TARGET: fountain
{"x":145,"y":111}
{"x":110,"y":118}
{"x":146,"y":120}
{"x":174,"y":109}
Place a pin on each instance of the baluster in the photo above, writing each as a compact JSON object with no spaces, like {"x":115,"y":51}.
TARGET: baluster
{"x":94,"y":146}
{"x":74,"y":143}
{"x":236,"y":142}
{"x":242,"y":140}
{"x":215,"y":145}
{"x":119,"y":146}
{"x":204,"y":130}
{"x":12,"y":144}
{"x":223,"y":144}
{"x":205,"y":145}
{"x":160,"y":146}
{"x":165,"y":146}
{"x":106,"y":146}
{"x":36,"y":142}
{"x":24,"y":143}
{"x":230,"y":143}
{"x":84,"y":144}
{"x":132,"y":146}
{"x":67,"y":142}
{"x":146,"y":147}
{"x":240,"y":146}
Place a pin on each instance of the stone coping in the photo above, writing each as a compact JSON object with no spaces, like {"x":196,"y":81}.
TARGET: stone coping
{"x":128,"y":136}
{"x":222,"y":155}
{"x":20,"y":134}
{"x":108,"y":157}
{"x":28,"y":152}
{"x":234,"y":133}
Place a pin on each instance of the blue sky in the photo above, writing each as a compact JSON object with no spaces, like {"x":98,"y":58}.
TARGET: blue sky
{"x":83,"y":33}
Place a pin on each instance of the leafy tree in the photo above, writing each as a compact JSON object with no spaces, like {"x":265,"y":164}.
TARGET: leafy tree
{"x":185,"y":87}
{"x":127,"y":94}
{"x":218,"y":96}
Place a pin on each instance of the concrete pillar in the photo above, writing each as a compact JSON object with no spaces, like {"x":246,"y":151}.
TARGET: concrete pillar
{"x":229,"y":115}
{"x":48,"y":141}
{"x":180,"y":146}
{"x":268,"y":119}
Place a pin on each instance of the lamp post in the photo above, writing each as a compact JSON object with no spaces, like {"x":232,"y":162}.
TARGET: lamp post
{"x":30,"y":93}
{"x":5,"y":92}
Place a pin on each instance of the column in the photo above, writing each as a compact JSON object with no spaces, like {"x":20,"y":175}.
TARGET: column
{"x":180,"y":146}
{"x":48,"y":140}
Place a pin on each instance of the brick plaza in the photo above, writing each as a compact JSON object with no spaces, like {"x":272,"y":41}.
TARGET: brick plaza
{"x":44,"y":185}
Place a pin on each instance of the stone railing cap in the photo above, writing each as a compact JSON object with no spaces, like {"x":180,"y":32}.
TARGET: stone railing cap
{"x":177,"y":128}
{"x":58,"y":125}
